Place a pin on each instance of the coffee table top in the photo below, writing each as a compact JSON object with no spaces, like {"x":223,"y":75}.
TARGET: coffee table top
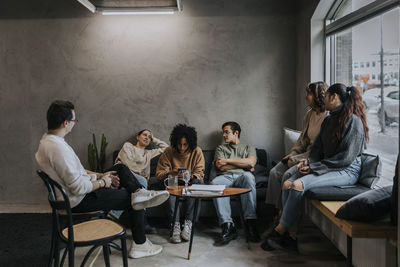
{"x":228,"y":192}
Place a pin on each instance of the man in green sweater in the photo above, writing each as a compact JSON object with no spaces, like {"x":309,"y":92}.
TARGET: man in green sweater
{"x":235,"y":162}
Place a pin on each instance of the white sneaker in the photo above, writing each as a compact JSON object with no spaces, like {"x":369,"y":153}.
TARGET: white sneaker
{"x":176,"y":234}
{"x":148,"y":198}
{"x":144,"y":250}
{"x":187,"y":230}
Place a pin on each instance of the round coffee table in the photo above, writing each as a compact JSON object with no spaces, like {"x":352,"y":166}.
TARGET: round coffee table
{"x":228,"y":192}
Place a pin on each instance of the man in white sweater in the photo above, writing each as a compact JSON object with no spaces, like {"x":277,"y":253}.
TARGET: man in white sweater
{"x":90,"y":191}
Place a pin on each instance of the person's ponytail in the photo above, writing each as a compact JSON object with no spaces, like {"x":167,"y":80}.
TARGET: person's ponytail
{"x":352,"y":104}
{"x":357,"y":107}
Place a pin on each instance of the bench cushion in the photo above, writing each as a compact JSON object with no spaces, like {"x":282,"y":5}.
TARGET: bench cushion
{"x":333,"y":193}
{"x":290,"y":137}
{"x":371,"y":169}
{"x":369,"y":206}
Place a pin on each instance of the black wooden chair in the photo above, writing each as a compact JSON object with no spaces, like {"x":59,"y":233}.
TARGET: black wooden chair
{"x":94,"y":233}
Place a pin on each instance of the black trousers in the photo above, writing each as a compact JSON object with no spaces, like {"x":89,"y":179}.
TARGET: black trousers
{"x":115,"y":199}
{"x":126,"y":178}
{"x":118,"y":199}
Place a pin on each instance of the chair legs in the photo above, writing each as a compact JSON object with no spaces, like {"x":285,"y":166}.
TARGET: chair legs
{"x":70,"y":249}
{"x":106,"y":254}
{"x":124,"y":251}
{"x":71,"y":255}
{"x":56,"y":252}
{"x":52,"y":248}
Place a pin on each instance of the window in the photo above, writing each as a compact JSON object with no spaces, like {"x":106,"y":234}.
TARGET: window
{"x":367,"y":33}
{"x":346,"y":7}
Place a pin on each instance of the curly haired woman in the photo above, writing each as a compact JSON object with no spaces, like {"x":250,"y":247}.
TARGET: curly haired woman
{"x":183,"y":153}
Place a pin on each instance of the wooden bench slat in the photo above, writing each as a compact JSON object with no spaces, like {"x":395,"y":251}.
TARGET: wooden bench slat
{"x":353,"y":228}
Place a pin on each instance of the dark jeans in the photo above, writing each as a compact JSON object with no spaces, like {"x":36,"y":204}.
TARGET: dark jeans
{"x":115,"y":199}
{"x":126,"y":178}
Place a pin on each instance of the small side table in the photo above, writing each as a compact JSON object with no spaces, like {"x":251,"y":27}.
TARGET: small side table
{"x":228,"y":192}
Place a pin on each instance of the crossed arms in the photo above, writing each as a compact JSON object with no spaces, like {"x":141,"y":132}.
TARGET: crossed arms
{"x":226,"y":164}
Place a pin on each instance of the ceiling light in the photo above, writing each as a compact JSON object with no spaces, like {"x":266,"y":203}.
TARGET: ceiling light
{"x":114,"y":11}
{"x":133,"y":7}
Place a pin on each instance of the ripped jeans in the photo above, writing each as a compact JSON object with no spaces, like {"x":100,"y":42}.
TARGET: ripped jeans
{"x":292,"y":198}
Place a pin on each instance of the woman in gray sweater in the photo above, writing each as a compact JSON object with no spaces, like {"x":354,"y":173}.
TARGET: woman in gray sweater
{"x":334,"y":160}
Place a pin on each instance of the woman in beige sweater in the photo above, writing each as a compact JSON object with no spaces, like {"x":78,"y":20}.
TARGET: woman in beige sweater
{"x":137,"y":157}
{"x":315,"y":93}
{"x":183,"y":153}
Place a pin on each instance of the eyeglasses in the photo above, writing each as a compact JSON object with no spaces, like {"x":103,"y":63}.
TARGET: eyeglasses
{"x":226,"y":132}
{"x":74,"y":120}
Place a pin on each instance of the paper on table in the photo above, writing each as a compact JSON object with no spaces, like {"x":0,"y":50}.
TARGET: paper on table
{"x":200,"y":192}
{"x":204,"y":187}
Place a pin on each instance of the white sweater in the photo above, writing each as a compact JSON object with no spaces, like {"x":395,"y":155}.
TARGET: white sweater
{"x":56,"y":158}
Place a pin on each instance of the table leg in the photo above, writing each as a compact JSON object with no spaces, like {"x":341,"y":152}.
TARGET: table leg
{"x":174,"y":216}
{"x":243,"y":222}
{"x":196,"y":204}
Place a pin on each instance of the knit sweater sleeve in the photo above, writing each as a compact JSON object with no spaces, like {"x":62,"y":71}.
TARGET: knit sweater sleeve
{"x":126,"y":155}
{"x":316,"y":153}
{"x":161,"y":146}
{"x":198,"y":163}
{"x":164,"y":165}
{"x":68,"y":167}
{"x":348,"y":149}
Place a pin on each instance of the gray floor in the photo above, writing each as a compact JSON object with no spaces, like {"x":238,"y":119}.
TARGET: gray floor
{"x":314,"y":250}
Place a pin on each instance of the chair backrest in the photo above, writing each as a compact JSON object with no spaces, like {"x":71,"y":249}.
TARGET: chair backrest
{"x":58,"y":205}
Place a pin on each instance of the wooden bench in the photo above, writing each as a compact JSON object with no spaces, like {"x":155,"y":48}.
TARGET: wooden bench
{"x":354,"y":229}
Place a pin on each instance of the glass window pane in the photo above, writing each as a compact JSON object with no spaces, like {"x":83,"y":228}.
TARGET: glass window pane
{"x":357,"y":56}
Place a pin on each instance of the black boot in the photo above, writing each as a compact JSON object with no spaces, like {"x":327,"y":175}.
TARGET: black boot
{"x":264,"y":245}
{"x":283,"y":242}
{"x":252,"y":231}
{"x":229,"y":233}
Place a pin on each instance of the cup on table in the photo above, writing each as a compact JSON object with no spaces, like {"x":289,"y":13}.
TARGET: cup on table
{"x":171,"y":182}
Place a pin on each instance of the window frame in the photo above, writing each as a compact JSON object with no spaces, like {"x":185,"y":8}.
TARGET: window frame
{"x":352,"y":19}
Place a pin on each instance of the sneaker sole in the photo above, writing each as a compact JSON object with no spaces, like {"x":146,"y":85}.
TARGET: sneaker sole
{"x":185,"y":238}
{"x":175,"y":241}
{"x":142,"y":254}
{"x":153,"y":202}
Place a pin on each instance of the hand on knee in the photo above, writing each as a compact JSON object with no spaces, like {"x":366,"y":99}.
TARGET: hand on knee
{"x":287,"y":184}
{"x":298,"y":185}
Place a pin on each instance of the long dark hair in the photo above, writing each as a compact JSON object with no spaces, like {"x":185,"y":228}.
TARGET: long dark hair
{"x":318,"y":90}
{"x":352,"y":104}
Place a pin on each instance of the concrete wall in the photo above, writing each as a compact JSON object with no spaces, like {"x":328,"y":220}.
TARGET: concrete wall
{"x":305,"y":12}
{"x":216,"y":61}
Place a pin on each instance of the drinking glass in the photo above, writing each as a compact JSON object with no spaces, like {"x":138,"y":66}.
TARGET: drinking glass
{"x":186,"y":178}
